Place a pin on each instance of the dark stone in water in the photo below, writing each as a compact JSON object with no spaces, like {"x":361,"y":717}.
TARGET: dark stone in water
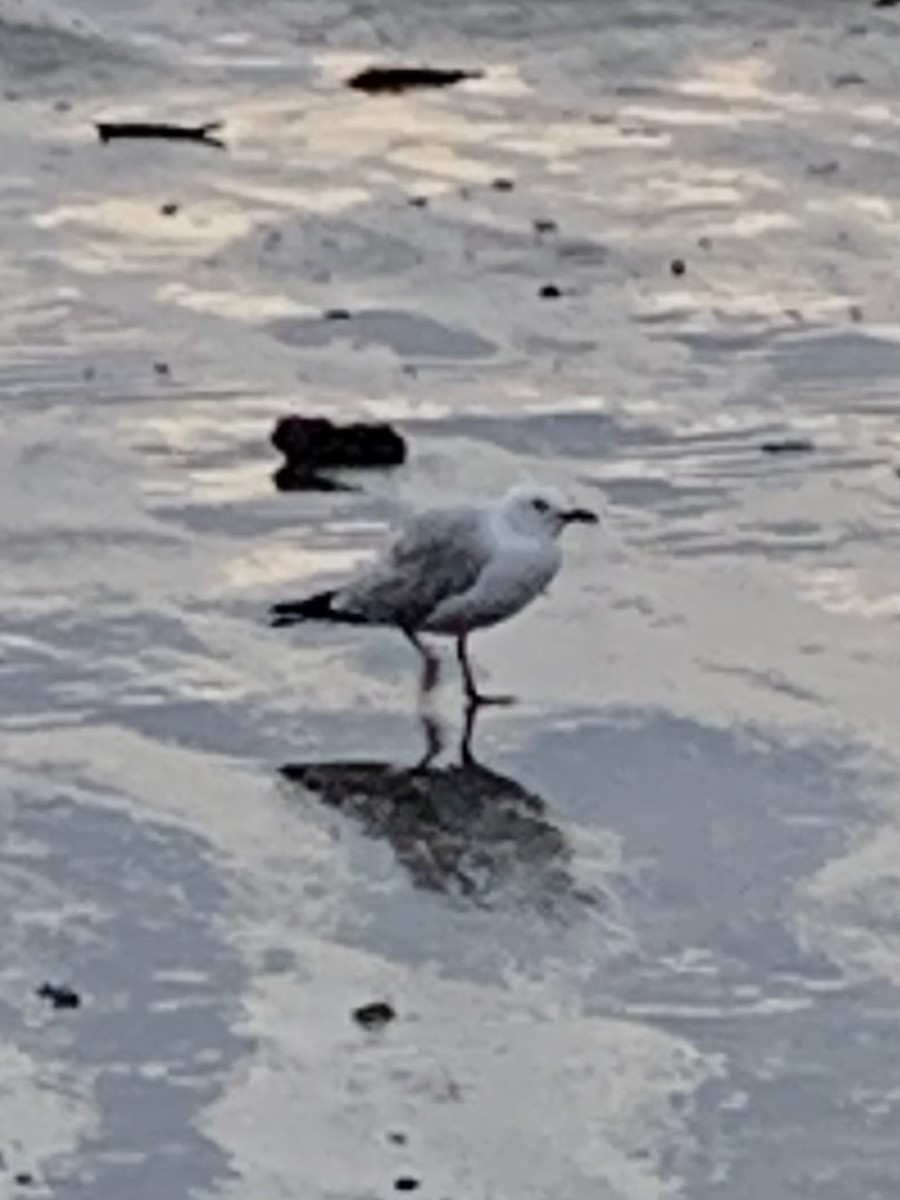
{"x":169,"y":209}
{"x":374,"y":1016}
{"x":397,"y":1138}
{"x":60,"y":995}
{"x":402,"y":79}
{"x":797,"y":445}
{"x":503,"y":185}
{"x":678,"y":266}
{"x":312,"y":443}
{"x":550,"y":292}
{"x":544,"y":225}
{"x":336,"y":314}
{"x":23,"y":1178}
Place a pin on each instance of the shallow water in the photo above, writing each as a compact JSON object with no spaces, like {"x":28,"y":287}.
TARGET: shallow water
{"x":646,"y":942}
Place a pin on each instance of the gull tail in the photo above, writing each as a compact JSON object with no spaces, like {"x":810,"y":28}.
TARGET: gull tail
{"x":316,"y":608}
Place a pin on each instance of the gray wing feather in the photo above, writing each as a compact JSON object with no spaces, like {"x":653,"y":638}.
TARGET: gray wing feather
{"x":438,"y":555}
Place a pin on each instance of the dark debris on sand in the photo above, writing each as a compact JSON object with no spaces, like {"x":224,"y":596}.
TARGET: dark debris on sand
{"x":374,"y":1016}
{"x":374,"y":80}
{"x":788,"y":445}
{"x":312,"y":445}
{"x":60,"y":995}
{"x":109,"y":131}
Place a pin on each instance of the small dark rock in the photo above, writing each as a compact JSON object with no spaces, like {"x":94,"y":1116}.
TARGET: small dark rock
{"x":60,"y":995}
{"x":885,"y":3}
{"x":400,"y":79}
{"x":796,"y":445}
{"x":823,"y":168}
{"x":678,"y":266}
{"x":705,"y":243}
{"x":550,"y":292}
{"x":336,"y":314}
{"x":23,"y":1178}
{"x":169,"y":209}
{"x":406,"y":1183}
{"x":418,"y":201}
{"x":544,"y":225}
{"x":62,"y":106}
{"x":856,"y":313}
{"x":315,"y":442}
{"x":374,"y":1016}
{"x":502,"y":185}
{"x":397,"y":1138}
{"x":162,"y":369}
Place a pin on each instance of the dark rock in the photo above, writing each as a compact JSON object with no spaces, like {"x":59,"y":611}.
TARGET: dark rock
{"x":315,"y":442}
{"x":503,"y":185}
{"x":796,"y":445}
{"x":705,"y":243}
{"x":678,"y":266}
{"x":169,"y":209}
{"x":402,"y":79}
{"x":374,"y":1016}
{"x":397,"y":1138}
{"x":544,"y":225}
{"x":23,"y":1178}
{"x":550,"y":292}
{"x":406,"y":1183}
{"x":336,"y":314}
{"x":885,"y":3}
{"x":823,"y":168}
{"x":60,"y":995}
{"x":162,"y":369}
{"x":418,"y":201}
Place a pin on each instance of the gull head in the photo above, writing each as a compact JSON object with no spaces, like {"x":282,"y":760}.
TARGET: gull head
{"x":541,"y":511}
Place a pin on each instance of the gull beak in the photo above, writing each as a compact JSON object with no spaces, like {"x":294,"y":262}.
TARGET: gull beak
{"x":579,"y":516}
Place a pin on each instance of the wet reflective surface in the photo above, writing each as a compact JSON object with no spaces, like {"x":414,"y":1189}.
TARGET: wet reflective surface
{"x":642,"y":931}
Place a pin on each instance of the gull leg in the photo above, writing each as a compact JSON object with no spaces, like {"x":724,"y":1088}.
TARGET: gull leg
{"x":431,"y":664}
{"x":473,"y":696}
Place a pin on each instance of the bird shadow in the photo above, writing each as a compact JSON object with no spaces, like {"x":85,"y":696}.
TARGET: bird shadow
{"x":460,"y":829}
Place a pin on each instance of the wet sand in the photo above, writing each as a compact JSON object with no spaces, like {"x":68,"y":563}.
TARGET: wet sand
{"x":646,"y":944}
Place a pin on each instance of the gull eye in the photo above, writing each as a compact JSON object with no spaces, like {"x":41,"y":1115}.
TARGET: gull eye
{"x":540,"y":506}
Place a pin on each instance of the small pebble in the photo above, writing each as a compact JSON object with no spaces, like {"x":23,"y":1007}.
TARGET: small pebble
{"x":544,"y":225}
{"x":376,"y":1015}
{"x":23,"y":1178}
{"x":550,"y":292}
{"x":336,"y":314}
{"x":162,"y":368}
{"x":60,"y":995}
{"x":406,"y":1183}
{"x":503,"y":185}
{"x":418,"y":201}
{"x":169,"y":209}
{"x":397,"y":1138}
{"x":677,"y":266}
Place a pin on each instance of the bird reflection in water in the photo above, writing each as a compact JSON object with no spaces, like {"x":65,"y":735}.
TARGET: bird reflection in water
{"x":460,"y":829}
